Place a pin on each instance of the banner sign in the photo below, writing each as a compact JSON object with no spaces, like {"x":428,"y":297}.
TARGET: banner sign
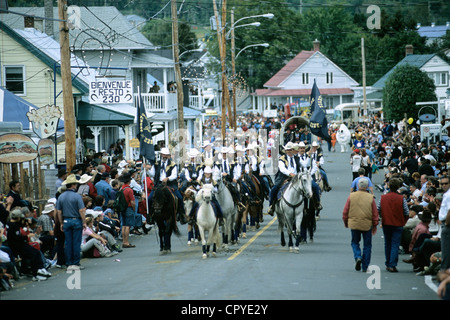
{"x":110,"y":91}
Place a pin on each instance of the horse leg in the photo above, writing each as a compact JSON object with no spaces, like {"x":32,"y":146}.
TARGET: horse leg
{"x":202,"y":236}
{"x":291,"y":243}
{"x":283,"y":241}
{"x":167,"y":244}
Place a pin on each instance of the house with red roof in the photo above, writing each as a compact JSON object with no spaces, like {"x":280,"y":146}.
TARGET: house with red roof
{"x":293,"y":83}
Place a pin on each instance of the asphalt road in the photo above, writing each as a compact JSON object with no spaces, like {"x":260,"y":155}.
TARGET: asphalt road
{"x":259,"y":268}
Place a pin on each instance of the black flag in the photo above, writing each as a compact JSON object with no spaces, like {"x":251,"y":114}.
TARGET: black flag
{"x":318,"y":121}
{"x":144,"y":134}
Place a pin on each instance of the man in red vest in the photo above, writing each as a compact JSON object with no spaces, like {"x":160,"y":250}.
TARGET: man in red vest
{"x":394,"y":213}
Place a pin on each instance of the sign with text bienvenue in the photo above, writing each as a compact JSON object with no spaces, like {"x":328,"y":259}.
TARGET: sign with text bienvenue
{"x":110,"y":91}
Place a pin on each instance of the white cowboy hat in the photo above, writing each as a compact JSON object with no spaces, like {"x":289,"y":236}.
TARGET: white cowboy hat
{"x":165,"y":151}
{"x":224,"y":150}
{"x":289,"y":146}
{"x":315,"y":144}
{"x":239,"y":148}
{"x":205,"y":144}
{"x":301,"y":145}
{"x":71,"y":179}
{"x":48,"y":208}
{"x":192,"y":153}
{"x":85,"y":178}
{"x":208,"y":170}
{"x":230,"y":150}
{"x":123,"y":164}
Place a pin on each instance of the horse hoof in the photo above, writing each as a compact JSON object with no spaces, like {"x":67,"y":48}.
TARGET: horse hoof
{"x":213,"y":254}
{"x":204,"y":256}
{"x":244,"y":235}
{"x":189,"y":243}
{"x":296,"y":250}
{"x":291,"y":249}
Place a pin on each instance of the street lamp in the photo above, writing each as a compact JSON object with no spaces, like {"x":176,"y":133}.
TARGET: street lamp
{"x":252,"y":45}
{"x":233,"y":58}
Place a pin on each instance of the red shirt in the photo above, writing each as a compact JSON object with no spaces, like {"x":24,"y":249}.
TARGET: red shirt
{"x":128,"y":193}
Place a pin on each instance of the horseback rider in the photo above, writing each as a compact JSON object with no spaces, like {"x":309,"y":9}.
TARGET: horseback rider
{"x":191,"y":171}
{"x":287,"y":168}
{"x":306,"y":162}
{"x":226,"y":166}
{"x":208,"y":179}
{"x":239,"y":171}
{"x":165,"y":172}
{"x":317,"y":155}
{"x":257,"y":167}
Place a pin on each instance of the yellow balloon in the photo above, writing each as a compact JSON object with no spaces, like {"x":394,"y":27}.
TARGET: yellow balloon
{"x":410,"y":120}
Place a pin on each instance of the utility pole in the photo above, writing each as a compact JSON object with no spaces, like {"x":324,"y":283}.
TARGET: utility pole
{"x":66,"y":78}
{"x":222,"y":49}
{"x":233,"y":70}
{"x":176,"y":57}
{"x":363,"y":61}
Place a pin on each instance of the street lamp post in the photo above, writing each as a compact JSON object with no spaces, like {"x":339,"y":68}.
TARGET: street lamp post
{"x":233,"y":57}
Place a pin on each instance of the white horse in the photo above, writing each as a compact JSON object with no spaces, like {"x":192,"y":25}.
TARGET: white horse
{"x":229,"y":209}
{"x":206,"y":220}
{"x":290,"y":207}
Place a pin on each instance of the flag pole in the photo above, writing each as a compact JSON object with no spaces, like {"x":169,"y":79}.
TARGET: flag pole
{"x":143,"y":158}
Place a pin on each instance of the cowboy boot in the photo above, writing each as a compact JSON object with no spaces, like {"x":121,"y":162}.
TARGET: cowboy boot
{"x":271,"y":210}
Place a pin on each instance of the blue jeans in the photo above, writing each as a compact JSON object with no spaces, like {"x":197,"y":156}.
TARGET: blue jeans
{"x":73,"y":229}
{"x":367,"y":249}
{"x":392,"y":237}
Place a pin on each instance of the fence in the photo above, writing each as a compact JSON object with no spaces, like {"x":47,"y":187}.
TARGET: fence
{"x":32,"y":180}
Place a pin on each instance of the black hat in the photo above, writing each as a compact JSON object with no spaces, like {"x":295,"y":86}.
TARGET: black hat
{"x":125,"y":177}
{"x":425,"y":216}
{"x":105,"y":175}
{"x":61,"y":172}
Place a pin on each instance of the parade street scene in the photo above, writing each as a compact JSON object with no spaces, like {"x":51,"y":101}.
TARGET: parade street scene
{"x":224,"y":155}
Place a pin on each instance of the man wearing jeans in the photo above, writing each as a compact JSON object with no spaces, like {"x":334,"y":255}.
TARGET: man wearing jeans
{"x":71,"y":211}
{"x":394,"y":214}
{"x":361,"y":216}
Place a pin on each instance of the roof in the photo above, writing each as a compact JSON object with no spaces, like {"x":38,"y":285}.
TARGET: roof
{"x":302,"y":92}
{"x":106,"y":24}
{"x":417,"y":60}
{"x":433,"y":32}
{"x":47,"y":50}
{"x":288,"y":69}
{"x":89,"y":114}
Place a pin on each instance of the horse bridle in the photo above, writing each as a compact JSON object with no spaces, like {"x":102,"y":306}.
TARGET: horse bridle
{"x":293,"y":187}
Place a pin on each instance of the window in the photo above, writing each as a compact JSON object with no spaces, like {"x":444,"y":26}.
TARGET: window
{"x":439,"y":78}
{"x":305,"y":78}
{"x":15,"y":79}
{"x":329,"y":77}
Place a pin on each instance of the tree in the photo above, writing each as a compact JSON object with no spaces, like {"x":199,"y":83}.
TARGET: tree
{"x":159,"y":32}
{"x":404,"y":87}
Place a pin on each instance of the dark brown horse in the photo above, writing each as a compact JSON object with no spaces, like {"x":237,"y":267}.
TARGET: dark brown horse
{"x":164,"y":208}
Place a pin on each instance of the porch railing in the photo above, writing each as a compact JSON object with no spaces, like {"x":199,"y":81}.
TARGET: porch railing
{"x":158,"y":102}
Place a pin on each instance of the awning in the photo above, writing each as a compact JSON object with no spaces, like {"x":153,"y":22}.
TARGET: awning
{"x":97,"y":115}
{"x":14,"y":109}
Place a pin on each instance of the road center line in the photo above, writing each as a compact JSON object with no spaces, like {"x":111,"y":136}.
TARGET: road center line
{"x":249,"y":242}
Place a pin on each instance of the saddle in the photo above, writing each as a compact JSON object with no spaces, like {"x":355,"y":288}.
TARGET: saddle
{"x":282,"y":189}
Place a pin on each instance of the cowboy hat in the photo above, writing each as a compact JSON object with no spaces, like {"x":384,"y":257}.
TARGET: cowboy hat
{"x":72,"y":178}
{"x":208,"y":170}
{"x":85,"y":178}
{"x":289,"y":146}
{"x":48,"y":208}
{"x":165,"y":151}
{"x":123,"y":164}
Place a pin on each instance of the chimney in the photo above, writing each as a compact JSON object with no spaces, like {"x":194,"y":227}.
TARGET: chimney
{"x":29,"y":22}
{"x":48,"y":23}
{"x":316,"y":44}
{"x":409,"y":49}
